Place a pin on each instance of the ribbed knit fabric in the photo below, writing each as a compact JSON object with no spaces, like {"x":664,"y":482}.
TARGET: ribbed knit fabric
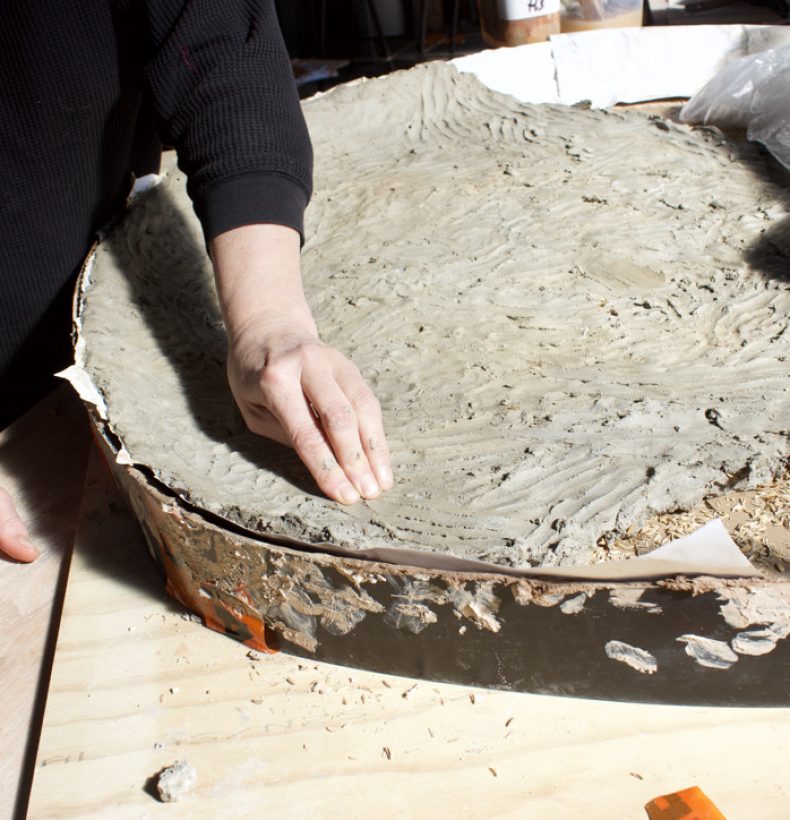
{"x":87,"y":90}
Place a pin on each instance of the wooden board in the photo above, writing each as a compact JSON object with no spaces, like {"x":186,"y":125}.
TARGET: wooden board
{"x":42,"y":465}
{"x":136,"y":685}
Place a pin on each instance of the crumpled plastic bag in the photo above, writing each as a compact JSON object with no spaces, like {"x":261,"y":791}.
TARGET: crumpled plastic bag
{"x":751,"y":92}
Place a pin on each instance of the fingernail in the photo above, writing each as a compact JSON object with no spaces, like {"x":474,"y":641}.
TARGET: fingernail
{"x":385,"y":477}
{"x":348,"y":495}
{"x":369,"y":487}
{"x":26,"y":544}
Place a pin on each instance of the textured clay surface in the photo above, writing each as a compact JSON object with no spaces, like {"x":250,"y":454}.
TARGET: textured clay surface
{"x":573,"y":319}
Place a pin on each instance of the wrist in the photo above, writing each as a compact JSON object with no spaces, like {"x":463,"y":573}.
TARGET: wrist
{"x":267,"y":328}
{"x":259,"y":282}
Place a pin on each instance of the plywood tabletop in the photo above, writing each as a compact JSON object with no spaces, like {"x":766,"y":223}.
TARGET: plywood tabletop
{"x":42,"y":465}
{"x":137,"y":685}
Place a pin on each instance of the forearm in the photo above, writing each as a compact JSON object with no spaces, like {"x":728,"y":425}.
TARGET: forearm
{"x":220,"y":80}
{"x":259,"y":280}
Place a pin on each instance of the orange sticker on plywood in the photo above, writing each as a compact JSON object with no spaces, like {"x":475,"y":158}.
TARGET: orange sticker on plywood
{"x":688,"y":804}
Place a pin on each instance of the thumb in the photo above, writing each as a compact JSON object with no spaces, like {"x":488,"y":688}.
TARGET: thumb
{"x":14,"y":540}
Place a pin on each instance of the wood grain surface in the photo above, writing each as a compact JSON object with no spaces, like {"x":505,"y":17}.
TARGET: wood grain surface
{"x":137,"y":685}
{"x":42,"y":465}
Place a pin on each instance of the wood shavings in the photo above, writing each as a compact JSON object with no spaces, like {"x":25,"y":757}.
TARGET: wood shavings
{"x":758,"y":521}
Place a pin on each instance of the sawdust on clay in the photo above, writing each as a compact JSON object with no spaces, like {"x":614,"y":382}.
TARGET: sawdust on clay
{"x":758,"y":521}
{"x":562,"y":311}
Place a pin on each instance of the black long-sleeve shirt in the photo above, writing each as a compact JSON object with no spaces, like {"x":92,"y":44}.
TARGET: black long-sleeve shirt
{"x":88,"y":88}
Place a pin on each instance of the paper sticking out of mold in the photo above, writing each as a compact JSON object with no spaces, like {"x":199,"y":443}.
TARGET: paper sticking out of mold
{"x":650,"y":66}
{"x":526,"y":72}
{"x":86,"y":389}
{"x":710,"y":547}
{"x":707,"y":551}
{"x":618,"y":65}
{"x":79,"y":379}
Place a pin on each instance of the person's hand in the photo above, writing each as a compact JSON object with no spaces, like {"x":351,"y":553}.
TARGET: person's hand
{"x":14,"y":539}
{"x":292,"y":388}
{"x":288,"y":385}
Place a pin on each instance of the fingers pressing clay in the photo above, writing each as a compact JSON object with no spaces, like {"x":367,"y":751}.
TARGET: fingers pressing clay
{"x":332,"y":421}
{"x":340,"y":425}
{"x":370,"y":425}
{"x":310,"y":443}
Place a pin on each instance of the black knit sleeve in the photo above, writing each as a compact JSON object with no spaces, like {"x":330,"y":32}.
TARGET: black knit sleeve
{"x":225,"y":97}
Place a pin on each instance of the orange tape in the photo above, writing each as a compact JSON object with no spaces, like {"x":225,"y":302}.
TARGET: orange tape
{"x":213,"y":612}
{"x":688,"y":804}
{"x":221,"y":618}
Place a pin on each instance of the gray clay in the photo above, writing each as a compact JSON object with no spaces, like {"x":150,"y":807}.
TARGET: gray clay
{"x":175,"y":781}
{"x":572,"y":318}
